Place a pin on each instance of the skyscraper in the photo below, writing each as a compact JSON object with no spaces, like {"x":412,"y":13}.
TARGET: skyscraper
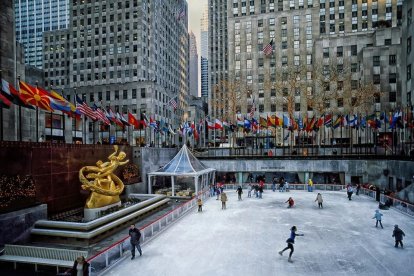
{"x":193,"y":74}
{"x":407,"y":65}
{"x":126,"y":55}
{"x":204,"y":52}
{"x":33,"y":17}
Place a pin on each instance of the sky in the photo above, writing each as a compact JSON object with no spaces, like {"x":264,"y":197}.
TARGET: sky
{"x":195,"y":10}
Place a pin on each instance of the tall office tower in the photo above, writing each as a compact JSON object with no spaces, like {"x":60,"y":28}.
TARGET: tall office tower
{"x":320,"y":48}
{"x":217,"y":55}
{"x":33,"y":17}
{"x":407,"y":65}
{"x":193,"y":66}
{"x":204,"y":52}
{"x":126,"y":55}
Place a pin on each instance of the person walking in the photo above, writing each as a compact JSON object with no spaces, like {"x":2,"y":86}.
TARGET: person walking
{"x":200,"y":205}
{"x":80,"y":267}
{"x":398,"y":234}
{"x":290,"y":243}
{"x":239,"y":192}
{"x":349,"y":191}
{"x":319,"y":200}
{"x":378,"y":216}
{"x":274,"y":181}
{"x":310,"y":185}
{"x":135,"y":235}
{"x":290,"y":202}
{"x":358,"y":187}
{"x":223,"y":200}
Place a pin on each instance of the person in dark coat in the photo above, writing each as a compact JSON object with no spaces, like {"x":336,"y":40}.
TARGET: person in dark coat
{"x":290,"y":243}
{"x":398,"y":234}
{"x":239,"y":192}
{"x":135,"y":235}
{"x":80,"y":267}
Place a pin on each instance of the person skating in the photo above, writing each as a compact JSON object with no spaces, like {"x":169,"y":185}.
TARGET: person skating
{"x":239,"y":192}
{"x":200,"y":205}
{"x":319,"y":200}
{"x":378,"y":216}
{"x":358,"y":187}
{"x":274,"y":181}
{"x":135,"y":235}
{"x":290,"y":202}
{"x":398,"y":234}
{"x":349,"y":191}
{"x":217,"y":192}
{"x":290,"y":243}
{"x":249,"y":190}
{"x":223,"y":198}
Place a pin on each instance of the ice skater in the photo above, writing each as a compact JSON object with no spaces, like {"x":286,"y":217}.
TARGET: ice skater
{"x":135,"y":236}
{"x":239,"y":192}
{"x":200,"y":205}
{"x":349,"y":191}
{"x":223,"y":198}
{"x":378,"y":216}
{"x":398,"y":234}
{"x":290,"y":243}
{"x":319,"y":200}
{"x":249,"y":190}
{"x":217,"y":192}
{"x":310,"y":185}
{"x":290,"y":202}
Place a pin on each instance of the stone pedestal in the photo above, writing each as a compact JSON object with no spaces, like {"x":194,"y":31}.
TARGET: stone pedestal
{"x":91,"y":214}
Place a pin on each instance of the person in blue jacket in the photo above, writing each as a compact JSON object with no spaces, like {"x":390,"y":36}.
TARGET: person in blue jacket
{"x":378,"y":216}
{"x":290,"y":243}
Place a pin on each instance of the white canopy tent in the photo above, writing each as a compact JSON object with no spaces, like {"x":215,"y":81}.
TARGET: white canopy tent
{"x":187,"y":165}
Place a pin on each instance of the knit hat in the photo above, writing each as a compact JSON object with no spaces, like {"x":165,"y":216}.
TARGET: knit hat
{"x":396,"y":226}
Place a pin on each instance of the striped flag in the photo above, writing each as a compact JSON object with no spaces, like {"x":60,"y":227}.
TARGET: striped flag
{"x":268,"y":49}
{"x":84,"y":108}
{"x":173,"y":103}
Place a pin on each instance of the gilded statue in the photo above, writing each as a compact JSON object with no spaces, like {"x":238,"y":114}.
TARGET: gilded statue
{"x":104,"y":185}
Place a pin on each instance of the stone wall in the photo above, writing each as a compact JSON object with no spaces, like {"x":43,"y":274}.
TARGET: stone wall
{"x":15,"y":226}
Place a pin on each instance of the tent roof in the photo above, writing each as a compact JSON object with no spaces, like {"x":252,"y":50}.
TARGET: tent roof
{"x":184,"y":163}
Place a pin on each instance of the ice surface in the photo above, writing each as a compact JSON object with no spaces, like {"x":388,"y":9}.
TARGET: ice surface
{"x":340,"y":239}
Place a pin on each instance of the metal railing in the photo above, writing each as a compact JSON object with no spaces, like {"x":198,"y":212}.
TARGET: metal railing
{"x":298,"y":187}
{"x":103,"y":260}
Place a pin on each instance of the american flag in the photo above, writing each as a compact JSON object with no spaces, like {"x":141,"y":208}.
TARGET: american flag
{"x":84,"y":108}
{"x":268,"y":49}
{"x":173,"y":103}
{"x":253,"y":109}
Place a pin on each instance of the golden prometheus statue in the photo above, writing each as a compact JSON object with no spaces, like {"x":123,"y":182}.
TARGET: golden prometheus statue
{"x":104,"y":185}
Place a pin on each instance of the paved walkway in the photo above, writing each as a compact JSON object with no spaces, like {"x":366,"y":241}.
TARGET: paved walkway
{"x":340,"y":239}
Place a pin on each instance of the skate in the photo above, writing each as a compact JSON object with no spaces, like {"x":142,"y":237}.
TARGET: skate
{"x":290,"y":260}
{"x":281,"y":253}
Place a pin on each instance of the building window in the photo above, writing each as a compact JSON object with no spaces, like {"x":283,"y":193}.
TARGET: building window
{"x":376,"y":79}
{"x":261,"y":108}
{"x":297,"y":106}
{"x":354,"y":50}
{"x":340,"y":102}
{"x":393,"y":97}
{"x":376,"y":60}
{"x":392,"y":60}
{"x":393,"y":78}
{"x":339,"y":51}
{"x":387,"y":42}
{"x":273,"y":108}
{"x":354,"y":83}
{"x":409,"y":72}
{"x":143,"y":93}
{"x":326,"y":52}
{"x":409,"y":45}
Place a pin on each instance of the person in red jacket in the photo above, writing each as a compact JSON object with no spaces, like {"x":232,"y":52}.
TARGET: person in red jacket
{"x":290,"y":202}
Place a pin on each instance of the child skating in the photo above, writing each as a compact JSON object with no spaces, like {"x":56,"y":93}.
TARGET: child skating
{"x":290,"y":243}
{"x":290,"y":202}
{"x":200,"y":205}
{"x":378,"y":216}
{"x":319,"y":200}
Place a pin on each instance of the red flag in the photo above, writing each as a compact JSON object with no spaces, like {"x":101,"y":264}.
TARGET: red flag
{"x":133,"y":121}
{"x":34,"y":96}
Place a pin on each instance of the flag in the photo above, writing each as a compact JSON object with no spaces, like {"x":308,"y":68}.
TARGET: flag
{"x":301,"y":123}
{"x":144,"y":120}
{"x":114,"y":118}
{"x":286,"y":121}
{"x":286,"y":137}
{"x":271,"y":121}
{"x":153,"y":123}
{"x":218,"y":124}
{"x":278,"y":121}
{"x":337,"y":122}
{"x":173,"y":103}
{"x":311,"y":124}
{"x":62,"y":104}
{"x":4,"y":102}
{"x":328,"y":120}
{"x":84,"y":108}
{"x":12,"y":94}
{"x":396,"y":120}
{"x":101,"y":115}
{"x":262,"y":121}
{"x":210,"y":125}
{"x":171,"y":130}
{"x":226,"y":125}
{"x":268,"y":49}
{"x":253,"y":109}
{"x":240,"y":122}
{"x":123,"y":120}
{"x":133,"y":121}
{"x":34,"y":96}
{"x":247,"y":124}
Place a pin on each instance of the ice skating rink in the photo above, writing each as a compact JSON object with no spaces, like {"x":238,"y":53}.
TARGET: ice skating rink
{"x":340,"y":239}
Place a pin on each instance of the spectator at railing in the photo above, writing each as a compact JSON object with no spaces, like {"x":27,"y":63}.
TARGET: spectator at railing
{"x":80,"y":267}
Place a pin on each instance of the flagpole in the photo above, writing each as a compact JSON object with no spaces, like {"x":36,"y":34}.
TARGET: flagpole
{"x":51,"y":122}
{"x":37,"y":117}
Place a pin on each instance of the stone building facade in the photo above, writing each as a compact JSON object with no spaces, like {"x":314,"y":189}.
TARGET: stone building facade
{"x":407,"y":66}
{"x":193,"y":68}
{"x":129,"y":56}
{"x":300,"y":32}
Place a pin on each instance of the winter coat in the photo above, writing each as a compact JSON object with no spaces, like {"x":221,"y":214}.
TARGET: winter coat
{"x":292,"y":237}
{"x":135,"y":235}
{"x":377,"y":215}
{"x":310,"y":182}
{"x":239,"y":190}
{"x":398,"y":234}
{"x":319,"y":199}
{"x":199,"y":202}
{"x":223,"y":197}
{"x":85,"y":269}
{"x":350,"y":189}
